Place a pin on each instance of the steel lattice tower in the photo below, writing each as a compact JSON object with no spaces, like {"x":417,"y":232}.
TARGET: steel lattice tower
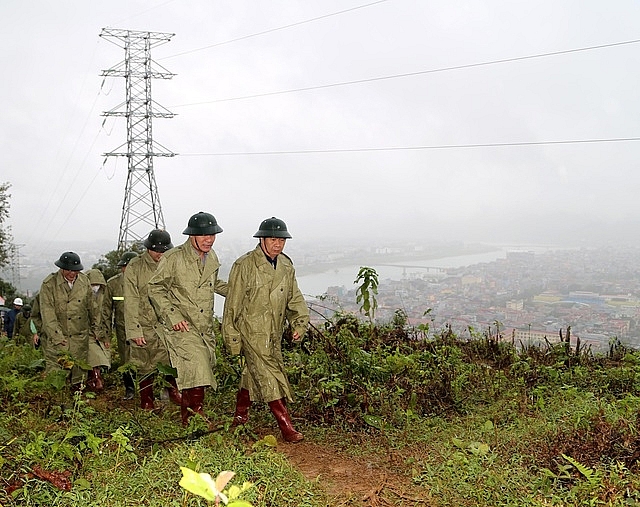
{"x":141,"y":210}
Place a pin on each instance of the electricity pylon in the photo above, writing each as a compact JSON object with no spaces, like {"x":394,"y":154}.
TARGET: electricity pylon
{"x":141,"y":210}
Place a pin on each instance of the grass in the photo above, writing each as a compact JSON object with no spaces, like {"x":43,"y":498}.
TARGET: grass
{"x":524,"y":433}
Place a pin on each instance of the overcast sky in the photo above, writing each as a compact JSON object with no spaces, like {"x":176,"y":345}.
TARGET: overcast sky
{"x":443,"y":91}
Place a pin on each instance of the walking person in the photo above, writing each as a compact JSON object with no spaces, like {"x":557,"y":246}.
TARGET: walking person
{"x":10,"y":317}
{"x":147,"y":347}
{"x":182,"y":293}
{"x":22,"y":326}
{"x":113,"y":313}
{"x":100,"y":348}
{"x":263,"y":297}
{"x":68,"y":317}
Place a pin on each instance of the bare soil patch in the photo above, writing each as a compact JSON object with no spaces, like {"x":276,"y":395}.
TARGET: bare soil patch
{"x":350,"y":480}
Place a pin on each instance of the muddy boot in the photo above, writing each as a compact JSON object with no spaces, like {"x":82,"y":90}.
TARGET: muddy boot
{"x":243,"y":402}
{"x":174,"y":392}
{"x":196,"y":400}
{"x":91,"y":381}
{"x":129,"y":386}
{"x":185,"y":414}
{"x":146,"y":393}
{"x":98,"y":383}
{"x":280,"y":412}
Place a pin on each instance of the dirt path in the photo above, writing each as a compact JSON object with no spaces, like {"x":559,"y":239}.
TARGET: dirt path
{"x":352,"y":481}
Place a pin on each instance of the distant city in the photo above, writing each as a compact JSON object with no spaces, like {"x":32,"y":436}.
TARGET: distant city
{"x":528,"y":297}
{"x":526,"y":294}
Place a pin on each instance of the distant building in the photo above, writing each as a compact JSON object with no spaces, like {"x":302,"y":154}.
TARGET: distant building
{"x":515,"y":304}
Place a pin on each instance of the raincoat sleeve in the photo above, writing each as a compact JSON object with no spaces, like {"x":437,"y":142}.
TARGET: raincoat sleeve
{"x":232,"y":308}
{"x":221,"y":287}
{"x":50,"y":324}
{"x":95,"y":311}
{"x":160,"y":286}
{"x":132,"y":326}
{"x":107,"y":312}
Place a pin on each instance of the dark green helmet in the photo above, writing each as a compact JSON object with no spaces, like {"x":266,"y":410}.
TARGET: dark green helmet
{"x":202,"y":224}
{"x":272,"y":228}
{"x":69,"y":261}
{"x":126,"y":257}
{"x":158,"y":241}
{"x":26,"y":308}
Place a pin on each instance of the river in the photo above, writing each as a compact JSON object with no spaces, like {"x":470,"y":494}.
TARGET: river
{"x":317,"y":283}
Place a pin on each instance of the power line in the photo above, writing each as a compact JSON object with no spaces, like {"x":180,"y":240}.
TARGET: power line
{"x":273,"y":30}
{"x":416,"y":73}
{"x":410,"y":148}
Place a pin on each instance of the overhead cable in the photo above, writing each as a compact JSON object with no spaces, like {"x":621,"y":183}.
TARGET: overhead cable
{"x":409,"y":148}
{"x":416,"y":73}
{"x":273,"y":30}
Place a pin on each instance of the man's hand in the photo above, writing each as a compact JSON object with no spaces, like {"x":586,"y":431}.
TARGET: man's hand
{"x":296,"y":336}
{"x":183,"y":325}
{"x":139,"y":341}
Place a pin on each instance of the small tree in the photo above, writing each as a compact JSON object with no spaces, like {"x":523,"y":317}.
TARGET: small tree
{"x":367,"y":291}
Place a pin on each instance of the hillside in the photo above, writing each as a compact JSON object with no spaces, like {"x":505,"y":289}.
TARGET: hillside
{"x":392,"y":415}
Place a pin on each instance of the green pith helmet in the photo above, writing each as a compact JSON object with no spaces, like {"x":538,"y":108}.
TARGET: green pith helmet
{"x":272,"y":228}
{"x":202,"y":224}
{"x":69,"y":261}
{"x":126,"y":257}
{"x":96,"y":277}
{"x":26,"y":308}
{"x":157,"y":241}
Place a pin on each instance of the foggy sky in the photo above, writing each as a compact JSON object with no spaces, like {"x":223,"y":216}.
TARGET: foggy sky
{"x":577,"y":193}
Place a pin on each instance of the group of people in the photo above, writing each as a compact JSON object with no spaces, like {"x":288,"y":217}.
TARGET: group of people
{"x":161,"y":309}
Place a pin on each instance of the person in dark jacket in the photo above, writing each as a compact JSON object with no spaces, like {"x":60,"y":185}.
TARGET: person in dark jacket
{"x":10,"y":317}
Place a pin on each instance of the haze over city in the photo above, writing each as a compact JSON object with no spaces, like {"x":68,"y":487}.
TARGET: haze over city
{"x":502,"y":122}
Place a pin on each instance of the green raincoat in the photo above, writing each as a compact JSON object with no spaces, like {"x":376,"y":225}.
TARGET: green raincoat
{"x":260,"y":300}
{"x":67,"y":315}
{"x":36,"y":318}
{"x":183,"y":289}
{"x":140,"y":318}
{"x":113,"y":314}
{"x":22,"y":329}
{"x":99,"y":350}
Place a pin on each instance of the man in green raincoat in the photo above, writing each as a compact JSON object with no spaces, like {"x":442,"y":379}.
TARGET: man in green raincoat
{"x":22,"y":326}
{"x":68,"y":317}
{"x":263,"y":296}
{"x":99,"y":349}
{"x":182,"y":293}
{"x":113,"y":314}
{"x":147,"y":347}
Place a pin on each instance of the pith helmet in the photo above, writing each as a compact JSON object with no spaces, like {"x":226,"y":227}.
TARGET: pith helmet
{"x":272,"y":228}
{"x":17,"y":301}
{"x":69,"y":261}
{"x":157,"y":241}
{"x":202,"y":224}
{"x":127,"y":256}
{"x":96,"y":277}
